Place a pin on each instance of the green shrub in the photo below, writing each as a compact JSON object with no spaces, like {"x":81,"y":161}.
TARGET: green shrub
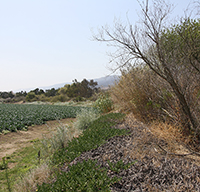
{"x":85,"y":117}
{"x":85,"y":176}
{"x":59,"y":139}
{"x":59,"y":98}
{"x":95,"y":135}
{"x":104,"y":103}
{"x":78,"y":98}
{"x":119,"y":166}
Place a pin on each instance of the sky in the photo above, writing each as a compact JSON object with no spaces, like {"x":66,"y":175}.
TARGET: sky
{"x":47,"y":42}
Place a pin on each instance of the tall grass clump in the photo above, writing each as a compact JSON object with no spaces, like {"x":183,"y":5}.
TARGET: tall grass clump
{"x":58,"y":139}
{"x":85,"y":117}
{"x":36,"y":176}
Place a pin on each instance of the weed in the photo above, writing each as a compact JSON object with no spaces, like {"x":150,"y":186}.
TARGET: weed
{"x":117,"y":167}
{"x":58,"y":140}
{"x":34,"y":140}
{"x":85,"y":176}
{"x":34,"y":177}
{"x":23,"y":161}
{"x":104,"y":103}
{"x":85,"y":117}
{"x":5,"y":165}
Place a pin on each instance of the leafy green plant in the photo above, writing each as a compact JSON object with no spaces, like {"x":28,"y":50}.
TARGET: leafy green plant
{"x":85,"y":176}
{"x":117,"y":167}
{"x":16,"y":117}
{"x":104,"y":103}
{"x":85,"y":117}
{"x":5,"y":166}
{"x":95,"y":135}
{"x":5,"y":132}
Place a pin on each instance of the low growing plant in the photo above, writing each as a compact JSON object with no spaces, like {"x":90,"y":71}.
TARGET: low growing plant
{"x":118,"y":166}
{"x":85,"y":176}
{"x":95,"y":135}
{"x":5,"y":166}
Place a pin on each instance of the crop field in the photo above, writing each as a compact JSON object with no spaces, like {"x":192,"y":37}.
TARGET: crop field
{"x":16,"y":117}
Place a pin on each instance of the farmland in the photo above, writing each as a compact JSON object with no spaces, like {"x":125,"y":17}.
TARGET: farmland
{"x":15,"y":117}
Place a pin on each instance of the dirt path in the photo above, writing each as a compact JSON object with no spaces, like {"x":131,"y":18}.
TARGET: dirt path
{"x":14,"y":141}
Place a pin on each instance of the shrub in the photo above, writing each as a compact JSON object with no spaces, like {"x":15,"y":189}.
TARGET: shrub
{"x":104,"y":103}
{"x":30,"y":97}
{"x":85,"y":117}
{"x":58,"y":140}
{"x":78,"y":98}
{"x":59,"y":98}
{"x":146,"y":95}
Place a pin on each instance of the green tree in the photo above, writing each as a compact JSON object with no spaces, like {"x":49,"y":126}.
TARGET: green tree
{"x":145,"y":45}
{"x":20,"y":94}
{"x":84,"y":88}
{"x":31,"y":96}
{"x":183,"y":42}
{"x":6,"y":95}
{"x":51,"y":92}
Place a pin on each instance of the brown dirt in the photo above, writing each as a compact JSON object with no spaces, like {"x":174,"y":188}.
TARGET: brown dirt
{"x":14,"y":141}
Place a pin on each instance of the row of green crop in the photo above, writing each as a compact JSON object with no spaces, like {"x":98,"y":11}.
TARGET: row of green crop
{"x":16,"y":117}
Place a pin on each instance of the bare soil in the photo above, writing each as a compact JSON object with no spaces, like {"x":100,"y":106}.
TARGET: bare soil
{"x":15,"y":141}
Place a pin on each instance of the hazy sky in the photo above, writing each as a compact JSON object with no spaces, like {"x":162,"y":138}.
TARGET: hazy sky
{"x":46,"y":42}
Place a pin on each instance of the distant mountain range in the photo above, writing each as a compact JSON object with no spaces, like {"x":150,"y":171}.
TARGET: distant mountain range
{"x":103,"y":82}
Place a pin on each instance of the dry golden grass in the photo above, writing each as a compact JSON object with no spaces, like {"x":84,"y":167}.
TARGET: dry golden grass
{"x":148,"y":139}
{"x":36,"y":176}
{"x":167,"y":132}
{"x":143,"y":93}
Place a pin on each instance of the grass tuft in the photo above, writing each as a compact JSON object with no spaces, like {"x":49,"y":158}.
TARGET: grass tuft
{"x":33,"y":178}
{"x":58,"y":139}
{"x":85,"y":117}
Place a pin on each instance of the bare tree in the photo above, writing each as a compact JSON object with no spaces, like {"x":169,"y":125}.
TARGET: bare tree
{"x":144,"y":44}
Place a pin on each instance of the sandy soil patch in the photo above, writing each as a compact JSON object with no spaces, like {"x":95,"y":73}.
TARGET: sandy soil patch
{"x":14,"y":141}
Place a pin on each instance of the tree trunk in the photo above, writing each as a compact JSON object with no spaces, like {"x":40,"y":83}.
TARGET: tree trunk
{"x":189,"y":119}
